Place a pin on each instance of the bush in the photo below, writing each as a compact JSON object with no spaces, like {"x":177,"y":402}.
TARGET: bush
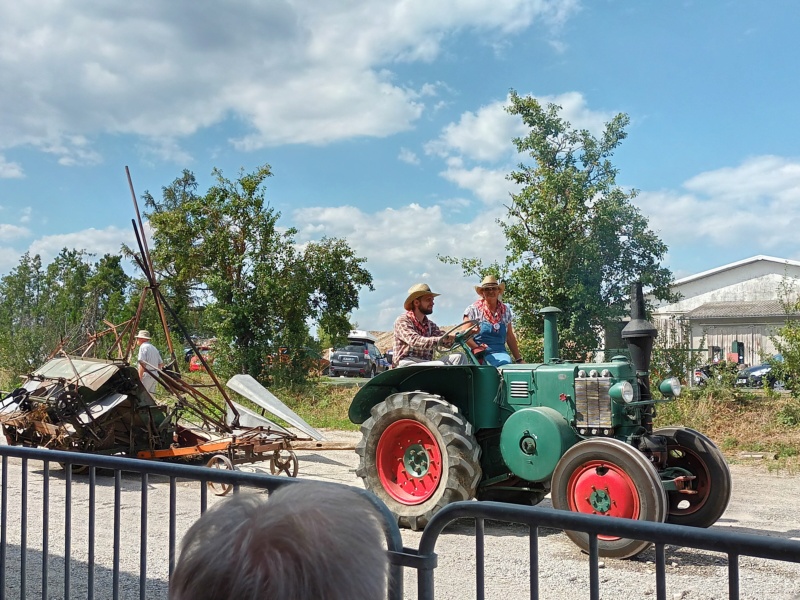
{"x":788,"y":415}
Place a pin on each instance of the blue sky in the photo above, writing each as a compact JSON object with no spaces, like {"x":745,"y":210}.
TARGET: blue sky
{"x":383,"y":121}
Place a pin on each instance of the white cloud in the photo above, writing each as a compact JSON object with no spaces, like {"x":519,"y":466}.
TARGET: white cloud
{"x":9,"y":259}
{"x":407,"y":156}
{"x":490,"y":185}
{"x":10,"y":170}
{"x":575,"y":110}
{"x":401,"y":247}
{"x":95,"y":241}
{"x":753,"y":207}
{"x":12,"y":232}
{"x":484,"y":135}
{"x":165,"y":150}
{"x":287,"y":71}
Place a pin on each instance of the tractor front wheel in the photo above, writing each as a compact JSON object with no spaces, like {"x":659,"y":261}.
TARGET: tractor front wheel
{"x":418,"y":454}
{"x":706,"y":497}
{"x":605,"y":476}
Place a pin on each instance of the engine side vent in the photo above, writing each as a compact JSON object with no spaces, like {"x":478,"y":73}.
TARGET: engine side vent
{"x":592,"y":402}
{"x":519,"y":389}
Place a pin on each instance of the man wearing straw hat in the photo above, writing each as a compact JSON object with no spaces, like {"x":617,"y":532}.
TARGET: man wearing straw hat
{"x":416,"y":336}
{"x":149,"y":360}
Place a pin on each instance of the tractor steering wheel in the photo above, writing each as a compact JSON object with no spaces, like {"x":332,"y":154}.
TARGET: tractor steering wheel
{"x":463,"y":332}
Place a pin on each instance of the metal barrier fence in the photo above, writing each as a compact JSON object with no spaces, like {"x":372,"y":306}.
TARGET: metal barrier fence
{"x":94,"y":511}
{"x":730,"y":543}
{"x":56,"y":510}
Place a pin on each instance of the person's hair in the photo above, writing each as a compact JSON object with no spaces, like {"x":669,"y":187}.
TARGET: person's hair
{"x":307,"y":540}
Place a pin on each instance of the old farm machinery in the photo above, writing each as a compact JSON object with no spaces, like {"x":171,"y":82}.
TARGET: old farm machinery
{"x":583,"y":432}
{"x":79,"y":402}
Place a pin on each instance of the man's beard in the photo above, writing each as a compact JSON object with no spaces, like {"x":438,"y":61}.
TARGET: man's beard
{"x":425,"y":310}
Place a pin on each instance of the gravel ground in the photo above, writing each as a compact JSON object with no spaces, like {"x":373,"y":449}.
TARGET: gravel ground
{"x":761,"y":503}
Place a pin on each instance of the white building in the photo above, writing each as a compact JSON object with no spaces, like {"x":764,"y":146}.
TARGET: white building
{"x":736,"y":307}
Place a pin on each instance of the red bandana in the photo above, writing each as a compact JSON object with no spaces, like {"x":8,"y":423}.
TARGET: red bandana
{"x":421,"y":329}
{"x":493,"y":318}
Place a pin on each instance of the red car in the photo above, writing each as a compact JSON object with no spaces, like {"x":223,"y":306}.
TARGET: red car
{"x":195,"y":364}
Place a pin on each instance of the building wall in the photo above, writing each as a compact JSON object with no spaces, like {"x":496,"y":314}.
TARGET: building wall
{"x":760,"y":278}
{"x":723,"y":288}
{"x":756,"y":338}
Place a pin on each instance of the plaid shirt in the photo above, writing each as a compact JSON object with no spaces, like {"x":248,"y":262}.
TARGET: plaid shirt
{"x":409,"y":342}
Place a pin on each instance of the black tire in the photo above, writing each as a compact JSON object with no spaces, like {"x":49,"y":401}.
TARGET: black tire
{"x":443,"y":432}
{"x":692,"y":452}
{"x":581,"y":483}
{"x":371,"y":373}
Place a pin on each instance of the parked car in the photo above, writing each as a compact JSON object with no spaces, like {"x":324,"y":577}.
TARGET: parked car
{"x":194,"y":362}
{"x":359,"y":358}
{"x":756,"y":376}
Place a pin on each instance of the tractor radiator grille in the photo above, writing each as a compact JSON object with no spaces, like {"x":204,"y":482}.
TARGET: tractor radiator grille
{"x":592,"y":402}
{"x":519,"y":389}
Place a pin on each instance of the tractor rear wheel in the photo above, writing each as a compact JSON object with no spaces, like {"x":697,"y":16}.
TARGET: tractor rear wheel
{"x":418,"y":454}
{"x":691,"y":453}
{"x":608,"y":477}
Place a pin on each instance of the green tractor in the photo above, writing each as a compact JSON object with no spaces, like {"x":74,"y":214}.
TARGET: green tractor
{"x":582,"y":432}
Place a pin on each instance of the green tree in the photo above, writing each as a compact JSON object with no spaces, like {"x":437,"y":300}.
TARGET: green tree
{"x":673,"y":355}
{"x":62,"y":303}
{"x":574,"y":239}
{"x":787,"y":339}
{"x":225,"y":251}
{"x":23,"y":338}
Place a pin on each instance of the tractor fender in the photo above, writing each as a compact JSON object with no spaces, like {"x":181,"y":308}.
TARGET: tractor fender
{"x":533,"y":440}
{"x":472,"y":389}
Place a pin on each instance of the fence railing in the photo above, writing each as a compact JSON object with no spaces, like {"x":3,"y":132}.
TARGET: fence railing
{"x":102,"y":520}
{"x":732,"y":544}
{"x":119,"y":532}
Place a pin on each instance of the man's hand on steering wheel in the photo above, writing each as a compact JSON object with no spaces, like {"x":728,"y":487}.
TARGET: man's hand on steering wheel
{"x":463,"y":332}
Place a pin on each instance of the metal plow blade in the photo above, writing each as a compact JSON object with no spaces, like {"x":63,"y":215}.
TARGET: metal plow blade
{"x":257,"y":393}
{"x":249,"y":418}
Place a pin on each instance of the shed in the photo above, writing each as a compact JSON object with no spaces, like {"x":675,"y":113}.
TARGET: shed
{"x":736,"y":308}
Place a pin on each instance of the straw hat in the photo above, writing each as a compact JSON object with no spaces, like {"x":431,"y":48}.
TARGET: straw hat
{"x":490,"y":281}
{"x":417,"y":291}
{"x":143,"y":335}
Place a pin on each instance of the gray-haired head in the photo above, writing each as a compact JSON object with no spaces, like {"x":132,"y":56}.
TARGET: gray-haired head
{"x":307,"y":540}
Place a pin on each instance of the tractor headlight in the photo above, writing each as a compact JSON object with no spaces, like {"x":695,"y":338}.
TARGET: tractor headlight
{"x":622,"y":392}
{"x":670,"y":387}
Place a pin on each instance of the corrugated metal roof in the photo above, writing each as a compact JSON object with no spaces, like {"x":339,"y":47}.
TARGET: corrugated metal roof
{"x":728,"y":310}
{"x":738,"y":263}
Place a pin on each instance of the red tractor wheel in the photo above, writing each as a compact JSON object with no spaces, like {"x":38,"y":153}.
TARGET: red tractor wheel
{"x":608,"y":477}
{"x":706,"y":498}
{"x":418,"y":454}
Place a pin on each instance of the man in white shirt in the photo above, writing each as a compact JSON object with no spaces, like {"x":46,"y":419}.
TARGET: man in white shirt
{"x":149,"y":358}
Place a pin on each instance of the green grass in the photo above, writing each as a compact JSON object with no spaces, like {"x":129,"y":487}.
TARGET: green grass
{"x":741,"y":421}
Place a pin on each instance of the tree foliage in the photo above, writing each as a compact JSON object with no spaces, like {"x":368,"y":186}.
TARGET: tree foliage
{"x":69,"y":299}
{"x":574,"y":239}
{"x":673,"y":355}
{"x":787,"y":339}
{"x":225,"y":251}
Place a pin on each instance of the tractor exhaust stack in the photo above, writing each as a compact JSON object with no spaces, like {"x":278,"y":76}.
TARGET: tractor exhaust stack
{"x":550,"y":314}
{"x":640,"y":335}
